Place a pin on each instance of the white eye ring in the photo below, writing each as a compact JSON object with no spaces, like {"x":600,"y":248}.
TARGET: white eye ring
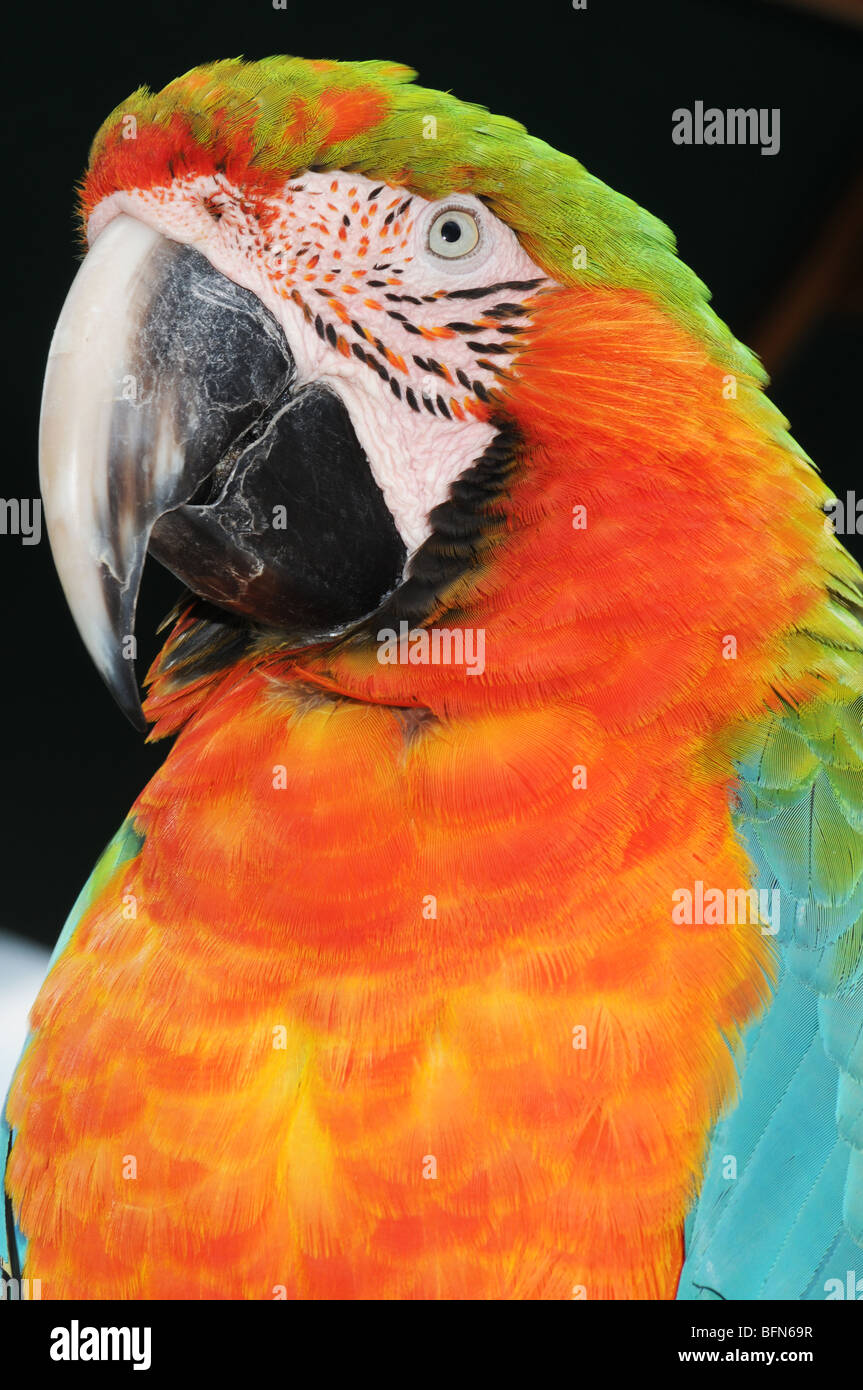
{"x":453,"y":233}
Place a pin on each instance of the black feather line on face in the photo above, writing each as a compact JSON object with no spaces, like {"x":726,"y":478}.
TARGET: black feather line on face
{"x":462,"y":529}
{"x":481,"y":291}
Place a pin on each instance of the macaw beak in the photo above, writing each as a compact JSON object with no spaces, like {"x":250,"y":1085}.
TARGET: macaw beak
{"x":172,"y":423}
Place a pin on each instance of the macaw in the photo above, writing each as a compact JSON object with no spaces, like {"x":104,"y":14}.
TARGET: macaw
{"x":494,"y":926}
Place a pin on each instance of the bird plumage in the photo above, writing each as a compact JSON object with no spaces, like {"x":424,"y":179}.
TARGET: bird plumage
{"x":383,"y":996}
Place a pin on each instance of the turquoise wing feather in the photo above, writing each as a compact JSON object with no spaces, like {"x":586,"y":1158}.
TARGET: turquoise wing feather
{"x":780,"y":1212}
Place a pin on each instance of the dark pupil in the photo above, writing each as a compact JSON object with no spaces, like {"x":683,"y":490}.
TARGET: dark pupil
{"x":450,"y":231}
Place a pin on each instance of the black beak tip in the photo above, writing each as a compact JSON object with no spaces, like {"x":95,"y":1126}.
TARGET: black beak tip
{"x":135,"y":716}
{"x":123,"y":685}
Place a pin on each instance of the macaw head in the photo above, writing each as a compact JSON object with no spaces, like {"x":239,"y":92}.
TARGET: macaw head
{"x":339,"y":341}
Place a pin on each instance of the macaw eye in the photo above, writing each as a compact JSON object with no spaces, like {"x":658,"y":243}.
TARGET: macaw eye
{"x":453,"y":233}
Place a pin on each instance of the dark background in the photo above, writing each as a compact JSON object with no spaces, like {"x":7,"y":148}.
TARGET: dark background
{"x":600,"y":84}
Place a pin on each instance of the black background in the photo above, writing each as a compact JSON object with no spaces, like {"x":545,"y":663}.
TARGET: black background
{"x":600,"y":84}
